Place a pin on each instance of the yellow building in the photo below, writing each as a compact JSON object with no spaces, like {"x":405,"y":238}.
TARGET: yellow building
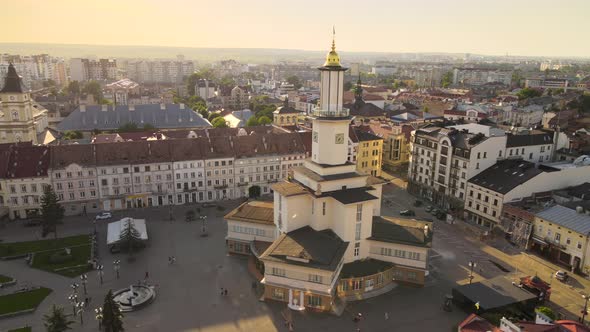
{"x":286,"y":115}
{"x":20,"y":119}
{"x":562,"y":234}
{"x":369,"y":152}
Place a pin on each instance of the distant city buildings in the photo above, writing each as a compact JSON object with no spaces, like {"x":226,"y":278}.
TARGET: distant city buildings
{"x":159,"y":71}
{"x":480,"y":76}
{"x":99,"y":70}
{"x":35,"y":69}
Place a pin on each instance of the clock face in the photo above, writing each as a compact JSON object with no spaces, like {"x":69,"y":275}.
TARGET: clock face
{"x":315,"y":136}
{"x":339,"y":138}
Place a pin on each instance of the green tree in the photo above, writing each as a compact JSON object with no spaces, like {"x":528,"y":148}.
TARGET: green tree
{"x":52,"y":212}
{"x":73,"y":134}
{"x":74,"y":88}
{"x":347,"y":86}
{"x":57,"y":320}
{"x":264,"y":120}
{"x":112,"y":317}
{"x":528,"y":93}
{"x":204,"y":114}
{"x":227,"y":80}
{"x":252,"y":122}
{"x":212,"y":116}
{"x":219,"y":122}
{"x":254,"y":192}
{"x":447,"y":79}
{"x":293,"y":79}
{"x":128,"y":127}
{"x":130,"y":237}
{"x":94,"y":88}
{"x":148,"y":126}
{"x":547,"y":312}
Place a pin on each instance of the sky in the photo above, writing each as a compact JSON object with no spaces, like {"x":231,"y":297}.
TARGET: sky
{"x":495,"y":27}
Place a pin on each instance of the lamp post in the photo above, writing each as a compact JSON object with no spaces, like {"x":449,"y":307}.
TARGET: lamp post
{"x":117,"y":266}
{"x":99,"y":316}
{"x":586,"y":298}
{"x":84,"y":280}
{"x":203,"y":225}
{"x":80,"y":311}
{"x":99,"y":269}
{"x":472,"y":265}
{"x":94,"y":222}
{"x":73,"y":300}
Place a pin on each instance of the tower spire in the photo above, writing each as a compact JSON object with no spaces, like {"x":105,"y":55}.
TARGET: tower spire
{"x":333,"y":38}
{"x":332,"y":58}
{"x":358,"y":92}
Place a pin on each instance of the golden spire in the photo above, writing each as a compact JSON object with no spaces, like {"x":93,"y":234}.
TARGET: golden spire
{"x":332,"y":58}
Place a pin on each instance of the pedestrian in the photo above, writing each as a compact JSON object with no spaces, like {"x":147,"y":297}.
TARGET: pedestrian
{"x":86,"y":301}
{"x":221,"y":290}
{"x":225,"y":292}
{"x":386,"y":316}
{"x":147,"y":275}
{"x":169,"y":260}
{"x":173,"y":259}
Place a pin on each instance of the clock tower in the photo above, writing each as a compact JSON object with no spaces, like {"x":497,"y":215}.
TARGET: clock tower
{"x":330,"y":119}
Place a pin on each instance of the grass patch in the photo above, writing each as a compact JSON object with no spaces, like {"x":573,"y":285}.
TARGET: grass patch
{"x":4,"y":279}
{"x":23,"y":300}
{"x":23,"y":248}
{"x":22,"y":329}
{"x":79,"y":256}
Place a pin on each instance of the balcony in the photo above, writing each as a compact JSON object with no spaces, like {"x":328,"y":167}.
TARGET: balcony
{"x":343,"y":113}
{"x":242,"y":184}
{"x":220,"y":186}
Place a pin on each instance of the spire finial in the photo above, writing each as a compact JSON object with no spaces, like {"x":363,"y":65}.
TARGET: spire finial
{"x":333,"y":38}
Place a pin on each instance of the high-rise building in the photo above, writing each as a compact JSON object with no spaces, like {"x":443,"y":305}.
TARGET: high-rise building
{"x":99,"y":70}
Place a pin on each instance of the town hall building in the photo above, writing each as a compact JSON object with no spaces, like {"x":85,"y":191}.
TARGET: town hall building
{"x":322,"y":241}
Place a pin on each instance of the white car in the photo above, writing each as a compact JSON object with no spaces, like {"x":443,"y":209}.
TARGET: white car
{"x":104,"y":215}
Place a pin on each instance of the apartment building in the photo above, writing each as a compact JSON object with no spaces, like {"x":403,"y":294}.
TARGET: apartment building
{"x":443,"y":159}
{"x":527,"y":116}
{"x":34,"y":69}
{"x":369,"y":152}
{"x":159,"y":71}
{"x":86,"y":69}
{"x":188,"y":163}
{"x":512,"y":180}
{"x":480,"y":76}
{"x":239,"y":98}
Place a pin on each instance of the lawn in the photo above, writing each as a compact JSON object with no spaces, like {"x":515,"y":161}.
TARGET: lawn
{"x":22,"y":300}
{"x":23,"y":248}
{"x":79,"y":256}
{"x":4,"y":279}
{"x":22,"y":329}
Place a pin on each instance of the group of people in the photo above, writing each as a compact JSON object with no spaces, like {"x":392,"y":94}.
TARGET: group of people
{"x":171,"y":260}
{"x":223,"y":291}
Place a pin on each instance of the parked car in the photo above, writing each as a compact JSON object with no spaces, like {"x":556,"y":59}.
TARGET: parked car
{"x":441,"y":215}
{"x":418,"y":203}
{"x":408,"y":213}
{"x":104,"y":215}
{"x":428,"y":208}
{"x":434,"y":212}
{"x":561,"y":275}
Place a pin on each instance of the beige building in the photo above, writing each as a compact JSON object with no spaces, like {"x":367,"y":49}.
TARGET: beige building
{"x":286,"y":115}
{"x":21,"y":120}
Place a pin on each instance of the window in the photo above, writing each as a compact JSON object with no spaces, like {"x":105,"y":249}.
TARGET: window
{"x":557,"y":237}
{"x":485,"y":154}
{"x":278,"y":293}
{"x":568,"y":240}
{"x":411,"y":276}
{"x":315,"y":278}
{"x":136,"y":169}
{"x":23,"y":188}
{"x":314,"y":301}
{"x":414,"y":255}
{"x":344,"y":285}
{"x":379,"y":278}
{"x":359,"y":212}
{"x":323,"y":208}
{"x":278,"y":272}
{"x":34,"y":187}
{"x":579,"y":245}
{"x":357,"y":231}
{"x":357,"y":249}
{"x":357,"y":284}
{"x":386,"y":252}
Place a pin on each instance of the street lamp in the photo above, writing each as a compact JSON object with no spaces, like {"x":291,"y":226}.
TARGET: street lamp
{"x":84,"y":280}
{"x":204,"y":225}
{"x":586,"y":298}
{"x":472,"y":265}
{"x":99,"y":269}
{"x":73,"y":300}
{"x":117,"y":266}
{"x":75,"y":287}
{"x":80,"y":311}
{"x":94,"y":222}
{"x":99,"y":316}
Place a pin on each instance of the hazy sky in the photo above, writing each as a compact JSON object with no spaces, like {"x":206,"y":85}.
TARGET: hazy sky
{"x":516,"y":27}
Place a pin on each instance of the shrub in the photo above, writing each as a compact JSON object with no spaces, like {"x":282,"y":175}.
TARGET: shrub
{"x":59,"y":257}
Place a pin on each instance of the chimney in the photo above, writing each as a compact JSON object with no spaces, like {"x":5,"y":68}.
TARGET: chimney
{"x":82,"y":108}
{"x":132,"y":107}
{"x":104,"y":108}
{"x":162,"y":106}
{"x":181,"y":106}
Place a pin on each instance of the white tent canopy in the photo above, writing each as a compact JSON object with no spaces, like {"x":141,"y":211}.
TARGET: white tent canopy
{"x":115,"y":229}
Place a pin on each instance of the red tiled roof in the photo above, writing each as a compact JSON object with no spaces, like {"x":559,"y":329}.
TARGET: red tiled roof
{"x":474,"y":323}
{"x":28,"y":162}
{"x":573,"y":326}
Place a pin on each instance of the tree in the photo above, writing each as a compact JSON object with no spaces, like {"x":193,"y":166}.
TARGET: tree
{"x":57,"y":320}
{"x":72,"y":134}
{"x":295,"y":81}
{"x":252,"y":122}
{"x":52,"y":212}
{"x":447,"y":79}
{"x":254,"y":192}
{"x":528,"y":93}
{"x":112,"y":318}
{"x":148,"y":126}
{"x":227,"y":80}
{"x":347,"y":86}
{"x":219,"y":122}
{"x":74,"y":88}
{"x":128,"y":127}
{"x":547,"y":312}
{"x":264,"y":120}
{"x":212,"y":116}
{"x":130,"y":237}
{"x":94,"y":88}
{"x":204,"y":114}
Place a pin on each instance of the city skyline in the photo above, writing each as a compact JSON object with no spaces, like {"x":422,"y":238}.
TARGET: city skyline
{"x":424,"y":26}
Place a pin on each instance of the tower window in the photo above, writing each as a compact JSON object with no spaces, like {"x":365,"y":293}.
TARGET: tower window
{"x":323,"y":208}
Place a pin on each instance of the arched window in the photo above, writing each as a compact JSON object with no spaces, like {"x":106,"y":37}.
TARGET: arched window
{"x":14,"y":115}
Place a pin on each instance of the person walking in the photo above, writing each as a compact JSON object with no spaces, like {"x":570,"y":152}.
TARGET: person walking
{"x":147,"y":275}
{"x":225,"y":292}
{"x":221,"y":290}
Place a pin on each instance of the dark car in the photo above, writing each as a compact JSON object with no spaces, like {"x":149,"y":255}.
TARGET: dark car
{"x":408,"y":213}
{"x":441,"y":215}
{"x":418,"y":203}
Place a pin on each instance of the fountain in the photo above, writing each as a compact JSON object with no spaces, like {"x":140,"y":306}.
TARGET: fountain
{"x":134,"y":297}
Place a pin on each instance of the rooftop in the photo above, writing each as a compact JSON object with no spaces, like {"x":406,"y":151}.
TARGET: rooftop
{"x":494,"y":293}
{"x":402,"y":230}
{"x":260,"y":212}
{"x":506,"y":175}
{"x":566,"y":217}
{"x":308,"y":247}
